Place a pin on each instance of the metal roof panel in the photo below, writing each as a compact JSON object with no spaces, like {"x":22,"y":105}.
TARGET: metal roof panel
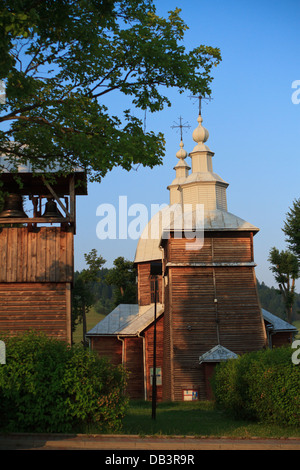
{"x":126,"y":319}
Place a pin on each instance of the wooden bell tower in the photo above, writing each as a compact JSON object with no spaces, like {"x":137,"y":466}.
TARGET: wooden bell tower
{"x":37,"y":252}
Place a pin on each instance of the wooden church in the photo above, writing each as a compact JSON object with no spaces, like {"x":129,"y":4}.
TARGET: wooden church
{"x":37,"y":250}
{"x":207,"y":308}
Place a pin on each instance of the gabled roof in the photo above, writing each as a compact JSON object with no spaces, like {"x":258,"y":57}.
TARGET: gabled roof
{"x":33,"y":185}
{"x":276,"y":323}
{"x":126,"y":320}
{"x":217,"y":354}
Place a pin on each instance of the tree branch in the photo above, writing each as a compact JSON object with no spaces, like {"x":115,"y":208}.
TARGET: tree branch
{"x":28,"y":68}
{"x":30,"y":108}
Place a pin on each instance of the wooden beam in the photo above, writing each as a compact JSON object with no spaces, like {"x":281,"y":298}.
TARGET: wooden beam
{"x":72,"y":201}
{"x":36,"y":220}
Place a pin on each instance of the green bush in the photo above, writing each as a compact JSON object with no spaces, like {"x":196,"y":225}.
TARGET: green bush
{"x":262,"y":386}
{"x":47,"y":386}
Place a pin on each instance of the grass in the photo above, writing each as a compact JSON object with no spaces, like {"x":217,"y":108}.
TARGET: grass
{"x":196,"y":419}
{"x":297,"y":325}
{"x":92,"y":319}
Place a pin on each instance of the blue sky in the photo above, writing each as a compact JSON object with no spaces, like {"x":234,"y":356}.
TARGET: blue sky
{"x":253,"y":124}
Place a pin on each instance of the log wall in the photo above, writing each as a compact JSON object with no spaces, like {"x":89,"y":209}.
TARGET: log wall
{"x":136,"y":354}
{"x":149,"y":342}
{"x":281,"y":338}
{"x":144,"y":285}
{"x":217,"y":247}
{"x":127,"y":351}
{"x":44,"y":307}
{"x":133,"y":361}
{"x":109,"y":347}
{"x":144,"y":291}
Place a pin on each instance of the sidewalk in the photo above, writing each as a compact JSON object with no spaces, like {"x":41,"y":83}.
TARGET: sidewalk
{"x":132,"y":442}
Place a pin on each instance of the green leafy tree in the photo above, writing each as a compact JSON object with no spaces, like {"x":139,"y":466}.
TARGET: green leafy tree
{"x":123,"y":277}
{"x":285,"y":267}
{"x":292,"y":228}
{"x":60,"y":60}
{"x":82,"y":295}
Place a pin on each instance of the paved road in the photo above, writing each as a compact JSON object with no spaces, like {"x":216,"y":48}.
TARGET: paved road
{"x":137,"y":443}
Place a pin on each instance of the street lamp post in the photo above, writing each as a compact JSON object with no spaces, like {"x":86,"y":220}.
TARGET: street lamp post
{"x":154,"y":356}
{"x":155,"y":271}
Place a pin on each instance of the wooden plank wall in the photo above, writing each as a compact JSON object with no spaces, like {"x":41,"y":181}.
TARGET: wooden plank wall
{"x":126,"y":351}
{"x":149,"y":337}
{"x":36,"y":273}
{"x":193,"y":326}
{"x":144,"y":291}
{"x":144,"y":285}
{"x":133,"y":361}
{"x":36,"y":306}
{"x":109,"y":347}
{"x":281,"y":338}
{"x":167,"y":342}
{"x":45,"y":255}
{"x":221,"y":247}
{"x":240,"y":321}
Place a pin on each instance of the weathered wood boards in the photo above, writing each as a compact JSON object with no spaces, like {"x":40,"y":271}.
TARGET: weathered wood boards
{"x":36,"y":306}
{"x":146,"y":285}
{"x":136,"y":355}
{"x":148,"y":334}
{"x":44,"y":255}
{"x":36,"y":273}
{"x":210,"y":299}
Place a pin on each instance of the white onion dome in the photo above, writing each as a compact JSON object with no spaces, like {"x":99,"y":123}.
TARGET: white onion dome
{"x":200,"y":134}
{"x":181,"y":153}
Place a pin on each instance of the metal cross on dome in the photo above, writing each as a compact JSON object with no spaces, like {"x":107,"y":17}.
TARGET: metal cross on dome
{"x":181,"y":126}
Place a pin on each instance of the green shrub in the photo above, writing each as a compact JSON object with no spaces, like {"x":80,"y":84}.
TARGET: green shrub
{"x":262,"y":386}
{"x":223,"y":384}
{"x":47,"y":386}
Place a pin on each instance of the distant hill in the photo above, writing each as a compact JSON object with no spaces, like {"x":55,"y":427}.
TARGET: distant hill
{"x":271,"y":300}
